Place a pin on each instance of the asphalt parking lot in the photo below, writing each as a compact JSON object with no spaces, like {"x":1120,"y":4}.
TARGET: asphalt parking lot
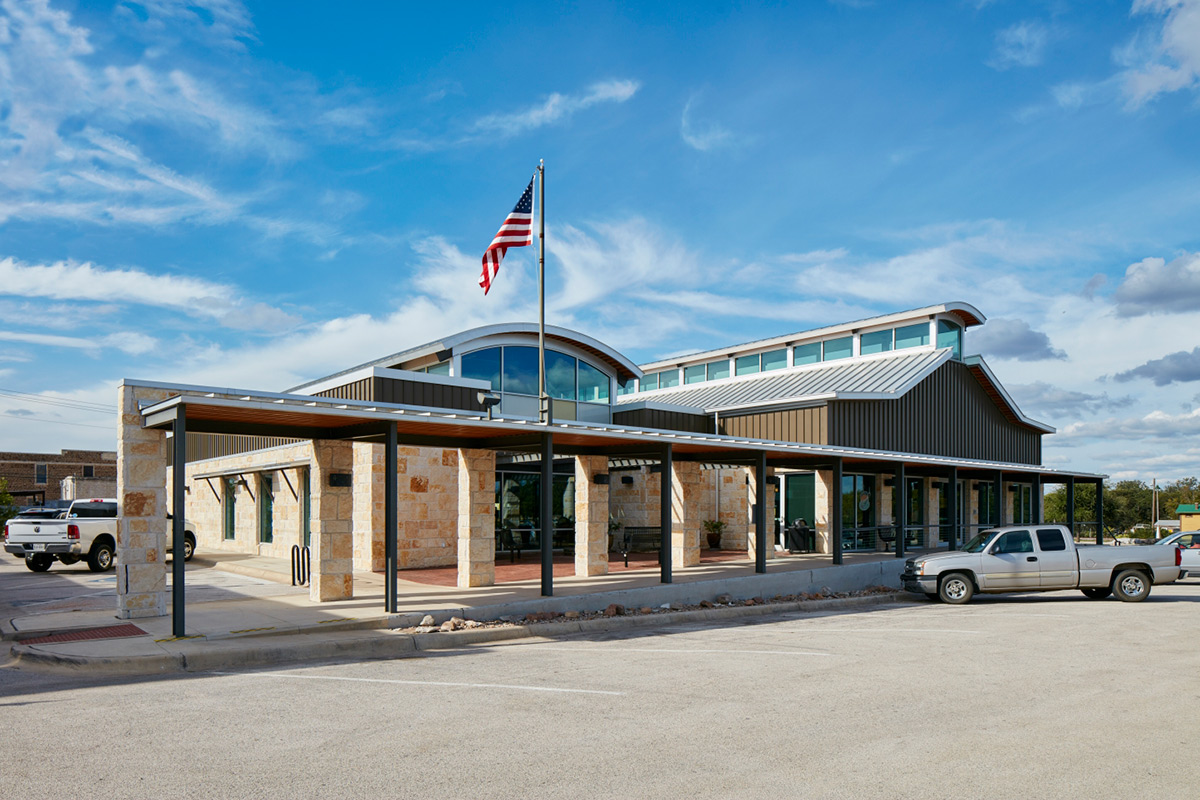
{"x":1015,"y":696}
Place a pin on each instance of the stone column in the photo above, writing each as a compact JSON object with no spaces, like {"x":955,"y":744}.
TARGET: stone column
{"x":883,"y":506}
{"x":591,"y":516}
{"x":686,"y":489}
{"x":822,"y":524}
{"x":933,"y":513}
{"x":971,"y":500}
{"x":1007,"y":504}
{"x":768,"y":515}
{"x":142,"y":526}
{"x":476,"y":518}
{"x":368,"y":501}
{"x":332,"y":523}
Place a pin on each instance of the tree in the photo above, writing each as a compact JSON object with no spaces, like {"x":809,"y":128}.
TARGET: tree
{"x":8,"y":507}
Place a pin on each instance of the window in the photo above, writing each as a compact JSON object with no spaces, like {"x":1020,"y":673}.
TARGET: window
{"x":520,"y":371}
{"x":806,"y":354}
{"x":626,"y":387}
{"x":746,"y":365}
{"x":668,"y":378}
{"x":560,"y":374}
{"x":718,"y":369}
{"x":230,"y":509}
{"x":439,"y":369}
{"x":1014,"y":542}
{"x":875,"y":342}
{"x":1051,"y":539}
{"x":912,"y":336}
{"x":838,"y":348}
{"x":89,"y":471}
{"x":650,"y":382}
{"x":776,"y":359}
{"x":483,"y":365}
{"x":593,"y":384}
{"x":950,"y":335}
{"x":266,"y":508}
{"x":39,"y":471}
{"x":694,"y":374}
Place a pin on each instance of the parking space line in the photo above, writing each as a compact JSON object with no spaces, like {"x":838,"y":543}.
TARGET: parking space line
{"x":684,"y":651}
{"x":451,"y":684}
{"x":882,"y":630}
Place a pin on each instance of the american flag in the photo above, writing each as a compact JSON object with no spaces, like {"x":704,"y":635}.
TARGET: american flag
{"x":517,"y":231}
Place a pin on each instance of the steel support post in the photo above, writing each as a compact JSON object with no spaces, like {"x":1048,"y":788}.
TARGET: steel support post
{"x":835,"y":511}
{"x":760,"y":513}
{"x":952,"y":507}
{"x":547,"y":515}
{"x":1071,"y":505}
{"x":664,"y":514}
{"x":900,"y":492}
{"x":1036,"y":499}
{"x":390,"y":533}
{"x":178,"y":504}
{"x":998,"y":494}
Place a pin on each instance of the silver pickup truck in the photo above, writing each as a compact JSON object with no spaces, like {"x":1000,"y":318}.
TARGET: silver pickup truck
{"x":88,"y":532}
{"x":1040,"y":558}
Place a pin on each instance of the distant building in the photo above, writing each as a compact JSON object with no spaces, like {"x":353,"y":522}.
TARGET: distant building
{"x":1189,"y":516}
{"x":36,"y":478}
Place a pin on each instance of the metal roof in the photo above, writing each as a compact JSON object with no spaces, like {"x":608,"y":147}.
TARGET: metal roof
{"x":217,"y":410}
{"x":865,"y":378}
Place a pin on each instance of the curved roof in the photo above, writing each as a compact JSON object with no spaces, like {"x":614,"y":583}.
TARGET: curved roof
{"x":462,"y":341}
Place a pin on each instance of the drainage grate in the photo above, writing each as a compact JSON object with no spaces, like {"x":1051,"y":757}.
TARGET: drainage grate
{"x":109,"y":632}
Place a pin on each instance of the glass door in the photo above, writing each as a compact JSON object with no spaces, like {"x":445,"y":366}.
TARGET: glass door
{"x":858,"y":512}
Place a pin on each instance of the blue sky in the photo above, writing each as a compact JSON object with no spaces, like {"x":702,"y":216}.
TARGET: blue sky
{"x":257,"y":195}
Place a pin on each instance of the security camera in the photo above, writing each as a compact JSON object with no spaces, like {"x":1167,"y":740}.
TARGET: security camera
{"x":488,"y":400}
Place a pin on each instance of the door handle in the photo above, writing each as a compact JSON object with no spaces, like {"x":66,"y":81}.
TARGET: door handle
{"x":1031,"y":558}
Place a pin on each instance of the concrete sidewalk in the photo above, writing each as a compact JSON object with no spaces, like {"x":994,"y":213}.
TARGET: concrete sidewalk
{"x":291,"y":628}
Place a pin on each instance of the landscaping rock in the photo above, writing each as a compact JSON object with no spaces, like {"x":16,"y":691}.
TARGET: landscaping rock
{"x":724,"y":599}
{"x":615,"y":610}
{"x":427,"y":621}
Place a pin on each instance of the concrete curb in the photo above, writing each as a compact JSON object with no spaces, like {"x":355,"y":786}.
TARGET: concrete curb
{"x":367,"y":642}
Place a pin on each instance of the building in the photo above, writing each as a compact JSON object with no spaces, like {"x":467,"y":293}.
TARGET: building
{"x":881,"y":433}
{"x":36,"y":478}
{"x":1189,"y":516}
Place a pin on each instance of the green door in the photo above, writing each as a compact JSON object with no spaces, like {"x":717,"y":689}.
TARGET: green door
{"x":800,"y":497}
{"x":306,"y":508}
{"x":266,"y":509}
{"x":230,"y":509}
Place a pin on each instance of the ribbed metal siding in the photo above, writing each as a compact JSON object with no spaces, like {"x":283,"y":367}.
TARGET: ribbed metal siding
{"x":216,"y":445}
{"x":947,"y":414}
{"x":663,"y":420}
{"x":357,"y":390}
{"x":420,"y":393}
{"x":801,"y":425}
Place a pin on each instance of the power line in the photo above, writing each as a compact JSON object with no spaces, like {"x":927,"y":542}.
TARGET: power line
{"x":59,"y":422}
{"x":78,"y":405}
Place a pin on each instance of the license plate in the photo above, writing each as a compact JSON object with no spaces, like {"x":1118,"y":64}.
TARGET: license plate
{"x":39,"y":547}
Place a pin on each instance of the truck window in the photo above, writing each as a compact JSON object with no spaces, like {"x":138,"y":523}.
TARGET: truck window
{"x":1014,"y":542}
{"x":1051,"y":539}
{"x":90,"y":510}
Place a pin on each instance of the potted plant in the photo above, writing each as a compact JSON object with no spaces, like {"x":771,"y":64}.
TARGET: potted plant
{"x":713,"y":528}
{"x":614,"y":525}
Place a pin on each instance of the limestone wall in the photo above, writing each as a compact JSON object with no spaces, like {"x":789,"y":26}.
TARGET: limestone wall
{"x":718,"y":494}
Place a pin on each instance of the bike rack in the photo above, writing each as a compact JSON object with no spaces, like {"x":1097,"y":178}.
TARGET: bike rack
{"x":300,"y":565}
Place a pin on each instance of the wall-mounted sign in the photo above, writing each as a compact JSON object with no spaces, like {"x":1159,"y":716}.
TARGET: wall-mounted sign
{"x":345,"y":479}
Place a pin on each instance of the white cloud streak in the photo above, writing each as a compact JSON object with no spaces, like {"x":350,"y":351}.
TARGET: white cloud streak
{"x":556,"y":108}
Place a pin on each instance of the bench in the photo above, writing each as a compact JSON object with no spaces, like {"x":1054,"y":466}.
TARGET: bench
{"x":637,"y":539}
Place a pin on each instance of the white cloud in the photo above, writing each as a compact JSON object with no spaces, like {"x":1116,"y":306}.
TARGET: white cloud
{"x":1014,"y":339}
{"x":702,"y":137}
{"x":557,"y":107}
{"x":125,"y":341}
{"x":1156,"y":286}
{"x":1172,"y":61}
{"x":1022,"y":44}
{"x":71,"y":280}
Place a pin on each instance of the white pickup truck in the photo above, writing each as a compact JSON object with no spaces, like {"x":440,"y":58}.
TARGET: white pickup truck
{"x":1040,"y":558}
{"x":88,"y":532}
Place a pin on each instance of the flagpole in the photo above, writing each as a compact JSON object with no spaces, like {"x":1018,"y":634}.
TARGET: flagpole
{"x":543,"y":399}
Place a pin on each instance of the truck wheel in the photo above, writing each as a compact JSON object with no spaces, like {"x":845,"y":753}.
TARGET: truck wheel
{"x":101,"y":557}
{"x":1131,"y":586}
{"x":189,"y":546}
{"x":956,"y":589}
{"x":39,"y":563}
{"x":1097,"y":592}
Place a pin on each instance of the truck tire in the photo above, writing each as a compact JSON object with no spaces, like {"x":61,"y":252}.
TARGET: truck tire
{"x":1097,"y":592}
{"x":39,"y":563}
{"x":189,"y":546}
{"x":1131,"y":586}
{"x":101,"y":558}
{"x":956,"y":588}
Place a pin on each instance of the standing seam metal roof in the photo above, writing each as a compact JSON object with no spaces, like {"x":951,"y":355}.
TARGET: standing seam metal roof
{"x":888,"y":375}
